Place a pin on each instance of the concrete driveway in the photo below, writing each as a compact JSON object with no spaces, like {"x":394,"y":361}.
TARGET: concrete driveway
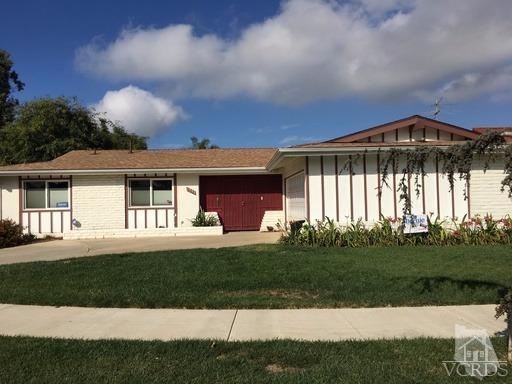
{"x":64,"y":249}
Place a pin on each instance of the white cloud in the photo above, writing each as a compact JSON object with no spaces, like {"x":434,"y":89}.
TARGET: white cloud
{"x":286,"y":127}
{"x":380,"y":7}
{"x":316,"y":49}
{"x":289,"y":140}
{"x":473,"y":84}
{"x":139,"y":111}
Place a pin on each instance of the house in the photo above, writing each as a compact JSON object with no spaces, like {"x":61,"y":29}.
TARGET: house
{"x":157,"y":192}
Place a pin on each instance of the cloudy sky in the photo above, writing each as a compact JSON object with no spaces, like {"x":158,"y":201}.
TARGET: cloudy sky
{"x":267,"y":73}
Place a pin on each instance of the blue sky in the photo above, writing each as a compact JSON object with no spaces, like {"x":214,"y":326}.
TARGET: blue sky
{"x":266,"y":73}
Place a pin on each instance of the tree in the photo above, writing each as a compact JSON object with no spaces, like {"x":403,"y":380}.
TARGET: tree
{"x":202,"y":144}
{"x":114,"y":136}
{"x":504,"y":308}
{"x":46,"y":128}
{"x":9,"y":82}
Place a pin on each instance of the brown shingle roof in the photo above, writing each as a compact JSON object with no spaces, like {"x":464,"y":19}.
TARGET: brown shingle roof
{"x":152,"y":159}
{"x":494,"y":129}
{"x":506,"y":131}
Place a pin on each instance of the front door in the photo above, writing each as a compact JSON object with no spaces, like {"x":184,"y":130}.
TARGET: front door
{"x":241,"y":201}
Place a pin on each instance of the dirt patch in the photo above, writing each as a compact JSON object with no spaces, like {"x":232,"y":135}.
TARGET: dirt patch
{"x":281,"y":293}
{"x":230,"y":356}
{"x":277,"y":368}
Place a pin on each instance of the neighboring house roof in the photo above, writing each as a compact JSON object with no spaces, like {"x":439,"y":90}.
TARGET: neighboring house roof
{"x":172,"y":159}
{"x":505,"y":131}
{"x":493,"y":129}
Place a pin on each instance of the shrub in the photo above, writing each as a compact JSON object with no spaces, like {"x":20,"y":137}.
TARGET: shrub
{"x":11,"y":234}
{"x":204,"y":220}
{"x":389,"y":232}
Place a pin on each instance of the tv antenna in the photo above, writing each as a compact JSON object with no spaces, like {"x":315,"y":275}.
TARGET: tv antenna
{"x":437,"y":107}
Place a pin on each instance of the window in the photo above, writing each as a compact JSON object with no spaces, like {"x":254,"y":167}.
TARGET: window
{"x":162,"y":192}
{"x":46,"y":194}
{"x":151,"y":192}
{"x":58,"y":194}
{"x":35,"y":195}
{"x":295,"y":201}
{"x":140,"y":192}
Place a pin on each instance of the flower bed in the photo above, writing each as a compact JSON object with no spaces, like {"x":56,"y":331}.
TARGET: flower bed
{"x":389,"y":232}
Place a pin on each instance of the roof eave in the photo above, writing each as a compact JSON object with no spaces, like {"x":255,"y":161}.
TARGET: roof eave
{"x":88,"y":172}
{"x":295,"y":152}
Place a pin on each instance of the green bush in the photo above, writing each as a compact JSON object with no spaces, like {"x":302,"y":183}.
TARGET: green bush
{"x":389,"y":232}
{"x":204,"y":220}
{"x":11,"y":234}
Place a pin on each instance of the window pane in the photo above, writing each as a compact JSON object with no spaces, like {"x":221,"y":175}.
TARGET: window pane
{"x":139,"y":192}
{"x":58,"y":194}
{"x":162,"y":192}
{"x":35,"y":195}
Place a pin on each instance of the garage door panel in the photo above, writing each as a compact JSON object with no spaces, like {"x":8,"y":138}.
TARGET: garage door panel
{"x":241,"y":201}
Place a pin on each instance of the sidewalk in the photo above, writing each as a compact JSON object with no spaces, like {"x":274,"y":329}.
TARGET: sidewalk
{"x":64,"y":249}
{"x":237,"y":325}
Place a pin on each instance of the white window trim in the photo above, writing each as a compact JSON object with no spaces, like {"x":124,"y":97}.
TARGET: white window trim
{"x":150,"y":206}
{"x":46,"y":208}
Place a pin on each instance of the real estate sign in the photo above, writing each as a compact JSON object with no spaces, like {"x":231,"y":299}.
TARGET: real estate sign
{"x":415,"y":224}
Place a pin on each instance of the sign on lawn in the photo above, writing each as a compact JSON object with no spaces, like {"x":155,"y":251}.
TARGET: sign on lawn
{"x":415,"y":224}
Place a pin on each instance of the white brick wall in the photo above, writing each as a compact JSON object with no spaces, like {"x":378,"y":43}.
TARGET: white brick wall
{"x":486,"y":196}
{"x":155,"y":232}
{"x":10,"y":198}
{"x":98,"y":202}
{"x":271,"y":219}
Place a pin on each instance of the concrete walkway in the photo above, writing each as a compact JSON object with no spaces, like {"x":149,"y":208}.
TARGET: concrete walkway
{"x":236,"y":325}
{"x":64,"y":249}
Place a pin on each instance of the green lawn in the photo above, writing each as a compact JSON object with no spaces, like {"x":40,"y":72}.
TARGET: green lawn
{"x":37,"y":360}
{"x":265,"y":276}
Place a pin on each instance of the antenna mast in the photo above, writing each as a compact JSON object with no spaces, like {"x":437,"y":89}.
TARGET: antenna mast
{"x":437,"y":107}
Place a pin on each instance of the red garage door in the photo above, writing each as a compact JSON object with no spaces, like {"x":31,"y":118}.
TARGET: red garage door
{"x":241,"y":201}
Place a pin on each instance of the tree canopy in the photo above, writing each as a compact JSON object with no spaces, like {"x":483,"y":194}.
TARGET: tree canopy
{"x":202,"y":143}
{"x":46,"y":128}
{"x":9,"y":82}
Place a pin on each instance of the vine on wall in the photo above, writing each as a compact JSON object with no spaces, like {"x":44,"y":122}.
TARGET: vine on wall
{"x":453,"y":160}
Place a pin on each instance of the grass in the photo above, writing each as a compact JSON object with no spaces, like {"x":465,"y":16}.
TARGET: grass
{"x":266,"y":276}
{"x":38,"y":360}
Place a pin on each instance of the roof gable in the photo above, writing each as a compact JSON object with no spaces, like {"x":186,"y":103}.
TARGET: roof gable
{"x":413,"y":128}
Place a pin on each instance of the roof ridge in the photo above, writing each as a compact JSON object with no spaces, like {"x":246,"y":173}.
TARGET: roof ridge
{"x":167,"y":149}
